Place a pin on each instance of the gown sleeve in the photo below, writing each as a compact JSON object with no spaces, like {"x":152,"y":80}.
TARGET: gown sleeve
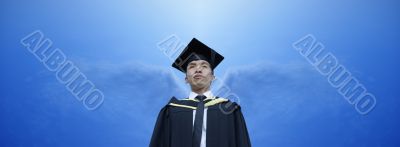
{"x":161,"y":133}
{"x":242,"y":135}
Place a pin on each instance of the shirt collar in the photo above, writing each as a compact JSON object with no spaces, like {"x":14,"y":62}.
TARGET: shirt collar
{"x":208,"y":94}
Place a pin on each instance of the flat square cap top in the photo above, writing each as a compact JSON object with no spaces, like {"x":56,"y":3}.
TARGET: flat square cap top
{"x":196,"y":50}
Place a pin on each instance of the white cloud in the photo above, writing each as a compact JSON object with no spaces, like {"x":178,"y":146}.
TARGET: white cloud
{"x":278,"y":99}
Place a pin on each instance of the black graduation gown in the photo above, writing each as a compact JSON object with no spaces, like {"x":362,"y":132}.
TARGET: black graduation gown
{"x":226,"y":126}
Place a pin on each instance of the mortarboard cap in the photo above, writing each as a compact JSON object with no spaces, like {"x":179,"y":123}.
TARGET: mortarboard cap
{"x":196,"y":50}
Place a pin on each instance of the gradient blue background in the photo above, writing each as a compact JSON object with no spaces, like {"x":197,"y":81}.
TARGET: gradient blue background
{"x":285,"y":101}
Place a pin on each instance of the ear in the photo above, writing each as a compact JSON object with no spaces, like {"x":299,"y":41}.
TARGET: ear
{"x":186,"y":79}
{"x":213,"y":77}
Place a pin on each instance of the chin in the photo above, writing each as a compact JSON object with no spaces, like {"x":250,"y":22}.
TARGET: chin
{"x":199,"y":85}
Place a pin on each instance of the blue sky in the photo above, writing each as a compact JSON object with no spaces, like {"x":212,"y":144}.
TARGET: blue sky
{"x":285,"y":100}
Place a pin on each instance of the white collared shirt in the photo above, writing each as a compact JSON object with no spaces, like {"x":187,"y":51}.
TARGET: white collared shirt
{"x":193,"y":95}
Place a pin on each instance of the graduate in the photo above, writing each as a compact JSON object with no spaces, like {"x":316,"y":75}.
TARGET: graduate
{"x":202,"y":119}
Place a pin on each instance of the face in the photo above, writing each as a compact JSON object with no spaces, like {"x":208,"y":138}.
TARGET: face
{"x":199,"y":74}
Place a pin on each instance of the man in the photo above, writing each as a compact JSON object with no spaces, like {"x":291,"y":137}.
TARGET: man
{"x":201,"y":120}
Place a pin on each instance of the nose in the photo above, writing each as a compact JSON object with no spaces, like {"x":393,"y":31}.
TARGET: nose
{"x":199,"y":69}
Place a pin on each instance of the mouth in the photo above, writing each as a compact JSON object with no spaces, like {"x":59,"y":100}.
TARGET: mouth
{"x":198,"y":77}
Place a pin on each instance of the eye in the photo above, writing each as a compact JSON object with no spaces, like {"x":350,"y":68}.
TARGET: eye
{"x":206,"y":66}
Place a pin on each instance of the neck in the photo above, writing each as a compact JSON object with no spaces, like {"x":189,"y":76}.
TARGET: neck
{"x":200,"y":90}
